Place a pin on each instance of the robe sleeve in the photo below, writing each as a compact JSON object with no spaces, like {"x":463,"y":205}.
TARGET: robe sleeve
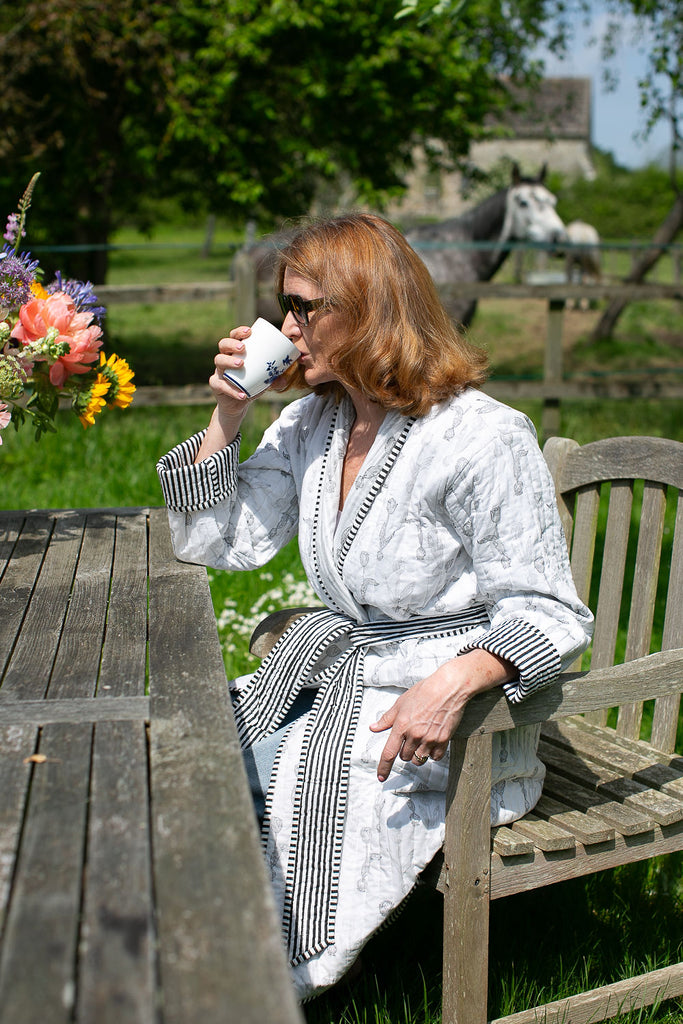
{"x":230,"y":515}
{"x":502,"y":503}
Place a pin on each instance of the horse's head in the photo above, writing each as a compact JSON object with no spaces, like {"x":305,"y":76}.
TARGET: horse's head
{"x":530,"y":214}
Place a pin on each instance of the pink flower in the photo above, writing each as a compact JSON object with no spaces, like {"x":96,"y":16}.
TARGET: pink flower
{"x":5,"y":416}
{"x":58,"y":311}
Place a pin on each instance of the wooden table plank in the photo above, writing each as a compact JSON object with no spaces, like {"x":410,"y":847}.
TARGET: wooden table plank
{"x":28,"y":674}
{"x":16,"y":744}
{"x":10,"y":528}
{"x":219,"y":935}
{"x":77,"y":663}
{"x":38,"y":959}
{"x":75,"y":710}
{"x":25,"y":559}
{"x":117,"y":975}
{"x":124,"y":653}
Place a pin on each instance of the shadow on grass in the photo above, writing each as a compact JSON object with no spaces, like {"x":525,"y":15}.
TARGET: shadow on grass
{"x":543,"y":945}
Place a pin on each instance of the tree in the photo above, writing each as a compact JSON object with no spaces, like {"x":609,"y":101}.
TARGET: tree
{"x":237,"y":106}
{"x":661,"y":98}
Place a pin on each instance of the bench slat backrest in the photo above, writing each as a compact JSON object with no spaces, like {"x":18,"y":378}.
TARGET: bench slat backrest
{"x":620,"y":500}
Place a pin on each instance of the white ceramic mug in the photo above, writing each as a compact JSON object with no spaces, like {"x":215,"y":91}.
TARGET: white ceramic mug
{"x":268,"y":353}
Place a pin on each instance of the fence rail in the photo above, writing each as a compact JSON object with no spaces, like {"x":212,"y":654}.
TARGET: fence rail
{"x":244,"y":292}
{"x":146,"y":294}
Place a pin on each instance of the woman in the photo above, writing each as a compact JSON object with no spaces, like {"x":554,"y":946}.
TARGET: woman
{"x":428,"y":528}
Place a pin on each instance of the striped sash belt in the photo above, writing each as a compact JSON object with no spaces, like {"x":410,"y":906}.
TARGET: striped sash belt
{"x":312,"y":880}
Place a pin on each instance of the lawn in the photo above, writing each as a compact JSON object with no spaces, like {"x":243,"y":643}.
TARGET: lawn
{"x":548,"y":942}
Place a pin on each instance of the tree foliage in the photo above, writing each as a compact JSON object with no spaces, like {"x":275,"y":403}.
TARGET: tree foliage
{"x":619,"y":203}
{"x":239,"y":106}
{"x":657,"y":25}
{"x":660,"y":23}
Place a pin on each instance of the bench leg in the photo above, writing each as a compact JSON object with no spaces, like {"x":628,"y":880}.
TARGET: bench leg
{"x":467,"y":854}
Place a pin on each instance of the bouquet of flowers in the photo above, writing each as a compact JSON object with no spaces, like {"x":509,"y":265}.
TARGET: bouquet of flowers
{"x":51,"y":341}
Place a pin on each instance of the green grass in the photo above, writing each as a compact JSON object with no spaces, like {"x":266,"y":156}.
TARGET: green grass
{"x":543,"y":944}
{"x":173,"y":344}
{"x":171,"y":253}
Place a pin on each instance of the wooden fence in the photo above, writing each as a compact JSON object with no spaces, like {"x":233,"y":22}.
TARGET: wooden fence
{"x":243,"y":293}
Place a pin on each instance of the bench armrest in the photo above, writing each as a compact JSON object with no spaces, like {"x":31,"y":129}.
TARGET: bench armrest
{"x":655,"y":675}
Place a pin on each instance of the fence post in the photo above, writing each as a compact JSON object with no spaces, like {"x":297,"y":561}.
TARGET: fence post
{"x":244,"y":276}
{"x":552,"y":370}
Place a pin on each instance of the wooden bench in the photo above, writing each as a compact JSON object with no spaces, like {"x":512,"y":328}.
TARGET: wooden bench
{"x":132,"y":886}
{"x":610,"y":797}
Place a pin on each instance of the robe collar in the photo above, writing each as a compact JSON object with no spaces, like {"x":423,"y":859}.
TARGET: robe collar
{"x":331,"y":540}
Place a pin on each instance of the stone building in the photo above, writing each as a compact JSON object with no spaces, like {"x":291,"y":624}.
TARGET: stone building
{"x":553,"y":127}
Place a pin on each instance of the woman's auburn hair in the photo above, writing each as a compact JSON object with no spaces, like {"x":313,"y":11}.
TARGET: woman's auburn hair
{"x":398,"y":345}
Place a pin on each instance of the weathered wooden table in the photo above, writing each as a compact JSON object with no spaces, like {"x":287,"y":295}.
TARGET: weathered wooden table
{"x":132,"y":886}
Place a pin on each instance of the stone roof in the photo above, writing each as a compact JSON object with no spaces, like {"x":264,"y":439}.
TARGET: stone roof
{"x":555,"y":108}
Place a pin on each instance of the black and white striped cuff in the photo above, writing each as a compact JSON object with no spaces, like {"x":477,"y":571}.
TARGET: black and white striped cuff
{"x":530,"y":650}
{"x":192,"y":487}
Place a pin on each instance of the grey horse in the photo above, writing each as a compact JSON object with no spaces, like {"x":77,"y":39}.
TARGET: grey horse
{"x":455,"y":250}
{"x":525,"y":211}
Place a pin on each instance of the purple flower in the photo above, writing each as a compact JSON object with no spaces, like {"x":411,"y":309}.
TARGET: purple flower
{"x":81,"y":292}
{"x":29,"y":265}
{"x":15,"y":282}
{"x":12,"y":229}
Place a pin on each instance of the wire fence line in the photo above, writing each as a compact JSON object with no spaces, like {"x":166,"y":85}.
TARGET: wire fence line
{"x":244,"y":292}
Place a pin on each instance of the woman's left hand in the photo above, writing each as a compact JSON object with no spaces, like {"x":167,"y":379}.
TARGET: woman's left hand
{"x":423,"y":719}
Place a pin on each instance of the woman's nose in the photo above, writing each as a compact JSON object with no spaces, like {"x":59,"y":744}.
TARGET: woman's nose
{"x":290,"y":327}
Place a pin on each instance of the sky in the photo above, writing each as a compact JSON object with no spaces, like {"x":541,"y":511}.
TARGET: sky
{"x":616,"y":115}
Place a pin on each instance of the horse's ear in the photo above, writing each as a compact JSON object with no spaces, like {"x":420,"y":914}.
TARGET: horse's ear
{"x":516,"y":176}
{"x":542,"y":174}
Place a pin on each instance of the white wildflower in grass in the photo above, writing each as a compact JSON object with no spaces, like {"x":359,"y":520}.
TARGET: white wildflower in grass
{"x":236,"y":624}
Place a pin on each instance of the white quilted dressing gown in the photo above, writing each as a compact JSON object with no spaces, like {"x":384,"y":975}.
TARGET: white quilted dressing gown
{"x":453,"y":513}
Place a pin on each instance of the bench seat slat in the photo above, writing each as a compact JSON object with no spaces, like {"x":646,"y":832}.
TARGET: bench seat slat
{"x":661,"y":807}
{"x":545,"y":835}
{"x":508,"y":843}
{"x":586,"y":828}
{"x":634,"y":758}
{"x":626,"y":820}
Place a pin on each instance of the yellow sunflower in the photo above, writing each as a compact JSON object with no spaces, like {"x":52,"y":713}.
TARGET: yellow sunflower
{"x":95,"y":403}
{"x":119,"y":375}
{"x":38,"y":291}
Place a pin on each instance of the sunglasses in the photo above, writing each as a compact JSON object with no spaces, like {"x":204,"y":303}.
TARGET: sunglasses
{"x":298,"y":307}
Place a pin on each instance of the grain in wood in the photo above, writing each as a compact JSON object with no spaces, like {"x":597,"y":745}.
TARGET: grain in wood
{"x":124,"y":651}
{"x":28,"y":675}
{"x":626,"y":820}
{"x":17,"y":743}
{"x":77,"y":661}
{"x":43,"y":917}
{"x":117,"y":974}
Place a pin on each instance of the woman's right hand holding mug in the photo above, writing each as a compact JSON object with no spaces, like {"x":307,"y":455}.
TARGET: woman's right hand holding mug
{"x":231,"y":403}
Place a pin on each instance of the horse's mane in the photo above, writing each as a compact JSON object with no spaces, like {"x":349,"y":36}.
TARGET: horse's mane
{"x":487,"y":213}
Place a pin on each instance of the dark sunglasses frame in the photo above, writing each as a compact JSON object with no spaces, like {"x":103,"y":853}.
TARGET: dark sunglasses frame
{"x":298,"y":307}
